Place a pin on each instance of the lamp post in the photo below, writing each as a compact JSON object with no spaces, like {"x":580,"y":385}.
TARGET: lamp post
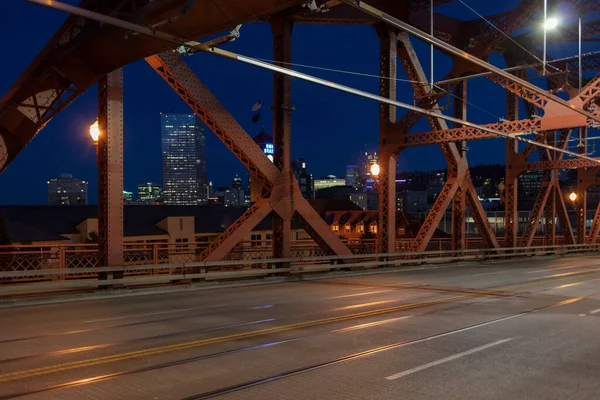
{"x":501,"y":187}
{"x":550,"y":24}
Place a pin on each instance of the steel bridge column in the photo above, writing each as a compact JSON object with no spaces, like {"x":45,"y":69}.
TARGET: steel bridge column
{"x":386,"y":242}
{"x":582,"y":186}
{"x":550,"y":212}
{"x":110,"y":169}
{"x":282,"y":117}
{"x":459,"y":242}
{"x":511,"y":223}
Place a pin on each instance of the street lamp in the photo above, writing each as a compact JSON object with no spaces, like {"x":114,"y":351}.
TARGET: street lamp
{"x":573,"y":196}
{"x":375,"y":170}
{"x":95,"y":132}
{"x":551,"y":23}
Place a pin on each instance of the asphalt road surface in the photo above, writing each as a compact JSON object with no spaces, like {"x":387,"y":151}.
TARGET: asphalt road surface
{"x":513,"y":330}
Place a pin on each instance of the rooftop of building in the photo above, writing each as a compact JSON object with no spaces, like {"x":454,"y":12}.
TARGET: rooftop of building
{"x":263,"y":137}
{"x":49,"y":222}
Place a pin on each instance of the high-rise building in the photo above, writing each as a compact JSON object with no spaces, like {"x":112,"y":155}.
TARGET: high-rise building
{"x":149,"y":193}
{"x":530,"y":183}
{"x":67,"y":190}
{"x":329,"y":181}
{"x":127,"y":197}
{"x":305,"y":180}
{"x":237,"y":183}
{"x":234,"y":198}
{"x":265,"y":142}
{"x":353,"y":177}
{"x":370,"y":159}
{"x":209,"y":190}
{"x":183,"y":160}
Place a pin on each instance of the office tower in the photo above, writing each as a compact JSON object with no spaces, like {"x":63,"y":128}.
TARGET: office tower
{"x":67,"y":190}
{"x":237,"y":183}
{"x":370,"y":159}
{"x":149,"y":193}
{"x":127,"y":197}
{"x":183,"y":160}
{"x":305,"y":180}
{"x":353,"y":177}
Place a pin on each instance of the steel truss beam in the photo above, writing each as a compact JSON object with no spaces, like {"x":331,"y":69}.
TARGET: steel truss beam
{"x":204,"y":104}
{"x":233,"y":56}
{"x":458,"y":185}
{"x":398,"y":24}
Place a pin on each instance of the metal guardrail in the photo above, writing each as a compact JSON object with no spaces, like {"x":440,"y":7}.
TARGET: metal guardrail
{"x":153,"y":274}
{"x":41,"y":257}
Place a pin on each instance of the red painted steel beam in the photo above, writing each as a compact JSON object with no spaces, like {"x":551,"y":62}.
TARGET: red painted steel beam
{"x":82,"y":51}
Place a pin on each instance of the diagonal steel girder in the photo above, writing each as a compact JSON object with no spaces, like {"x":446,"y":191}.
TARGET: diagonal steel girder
{"x":191,"y":89}
{"x":398,"y":24}
{"x":233,"y":56}
{"x":459,"y":180}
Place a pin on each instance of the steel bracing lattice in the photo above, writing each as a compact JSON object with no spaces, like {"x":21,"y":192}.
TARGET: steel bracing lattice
{"x":84,"y":51}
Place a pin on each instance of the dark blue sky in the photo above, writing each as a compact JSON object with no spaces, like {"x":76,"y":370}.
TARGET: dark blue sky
{"x":330,"y":129}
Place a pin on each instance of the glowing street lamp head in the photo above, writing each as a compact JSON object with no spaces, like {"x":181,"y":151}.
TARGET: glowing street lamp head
{"x":95,"y":131}
{"x":550,"y":23}
{"x":573,"y":196}
{"x":375,"y":169}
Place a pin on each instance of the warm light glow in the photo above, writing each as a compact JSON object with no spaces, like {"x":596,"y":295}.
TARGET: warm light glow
{"x":95,"y":131}
{"x":573,"y":196}
{"x":375,"y":170}
{"x":551,"y":23}
{"x":501,"y":186}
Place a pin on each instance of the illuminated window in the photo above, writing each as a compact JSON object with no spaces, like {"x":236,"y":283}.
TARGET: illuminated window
{"x":347,"y":228}
{"x":373,"y":228}
{"x":335,"y":228}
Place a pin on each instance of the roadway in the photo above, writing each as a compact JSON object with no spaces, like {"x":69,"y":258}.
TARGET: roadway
{"x":518,"y":330}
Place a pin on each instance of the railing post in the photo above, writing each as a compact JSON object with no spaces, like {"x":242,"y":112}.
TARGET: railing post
{"x":62,"y":261}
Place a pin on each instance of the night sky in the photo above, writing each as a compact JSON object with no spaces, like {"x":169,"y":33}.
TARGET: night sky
{"x":330,"y":129}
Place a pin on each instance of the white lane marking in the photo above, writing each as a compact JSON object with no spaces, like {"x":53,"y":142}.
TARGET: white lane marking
{"x":447,"y":359}
{"x":582,"y":315}
{"x":595,"y":311}
{"x":357,"y":294}
{"x":557,"y":268}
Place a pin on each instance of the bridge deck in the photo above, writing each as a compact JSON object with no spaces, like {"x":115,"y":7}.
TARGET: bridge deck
{"x":508,"y":330}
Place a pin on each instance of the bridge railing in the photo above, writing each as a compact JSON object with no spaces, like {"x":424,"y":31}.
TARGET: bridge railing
{"x":38,"y":257}
{"x":51,"y":278}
